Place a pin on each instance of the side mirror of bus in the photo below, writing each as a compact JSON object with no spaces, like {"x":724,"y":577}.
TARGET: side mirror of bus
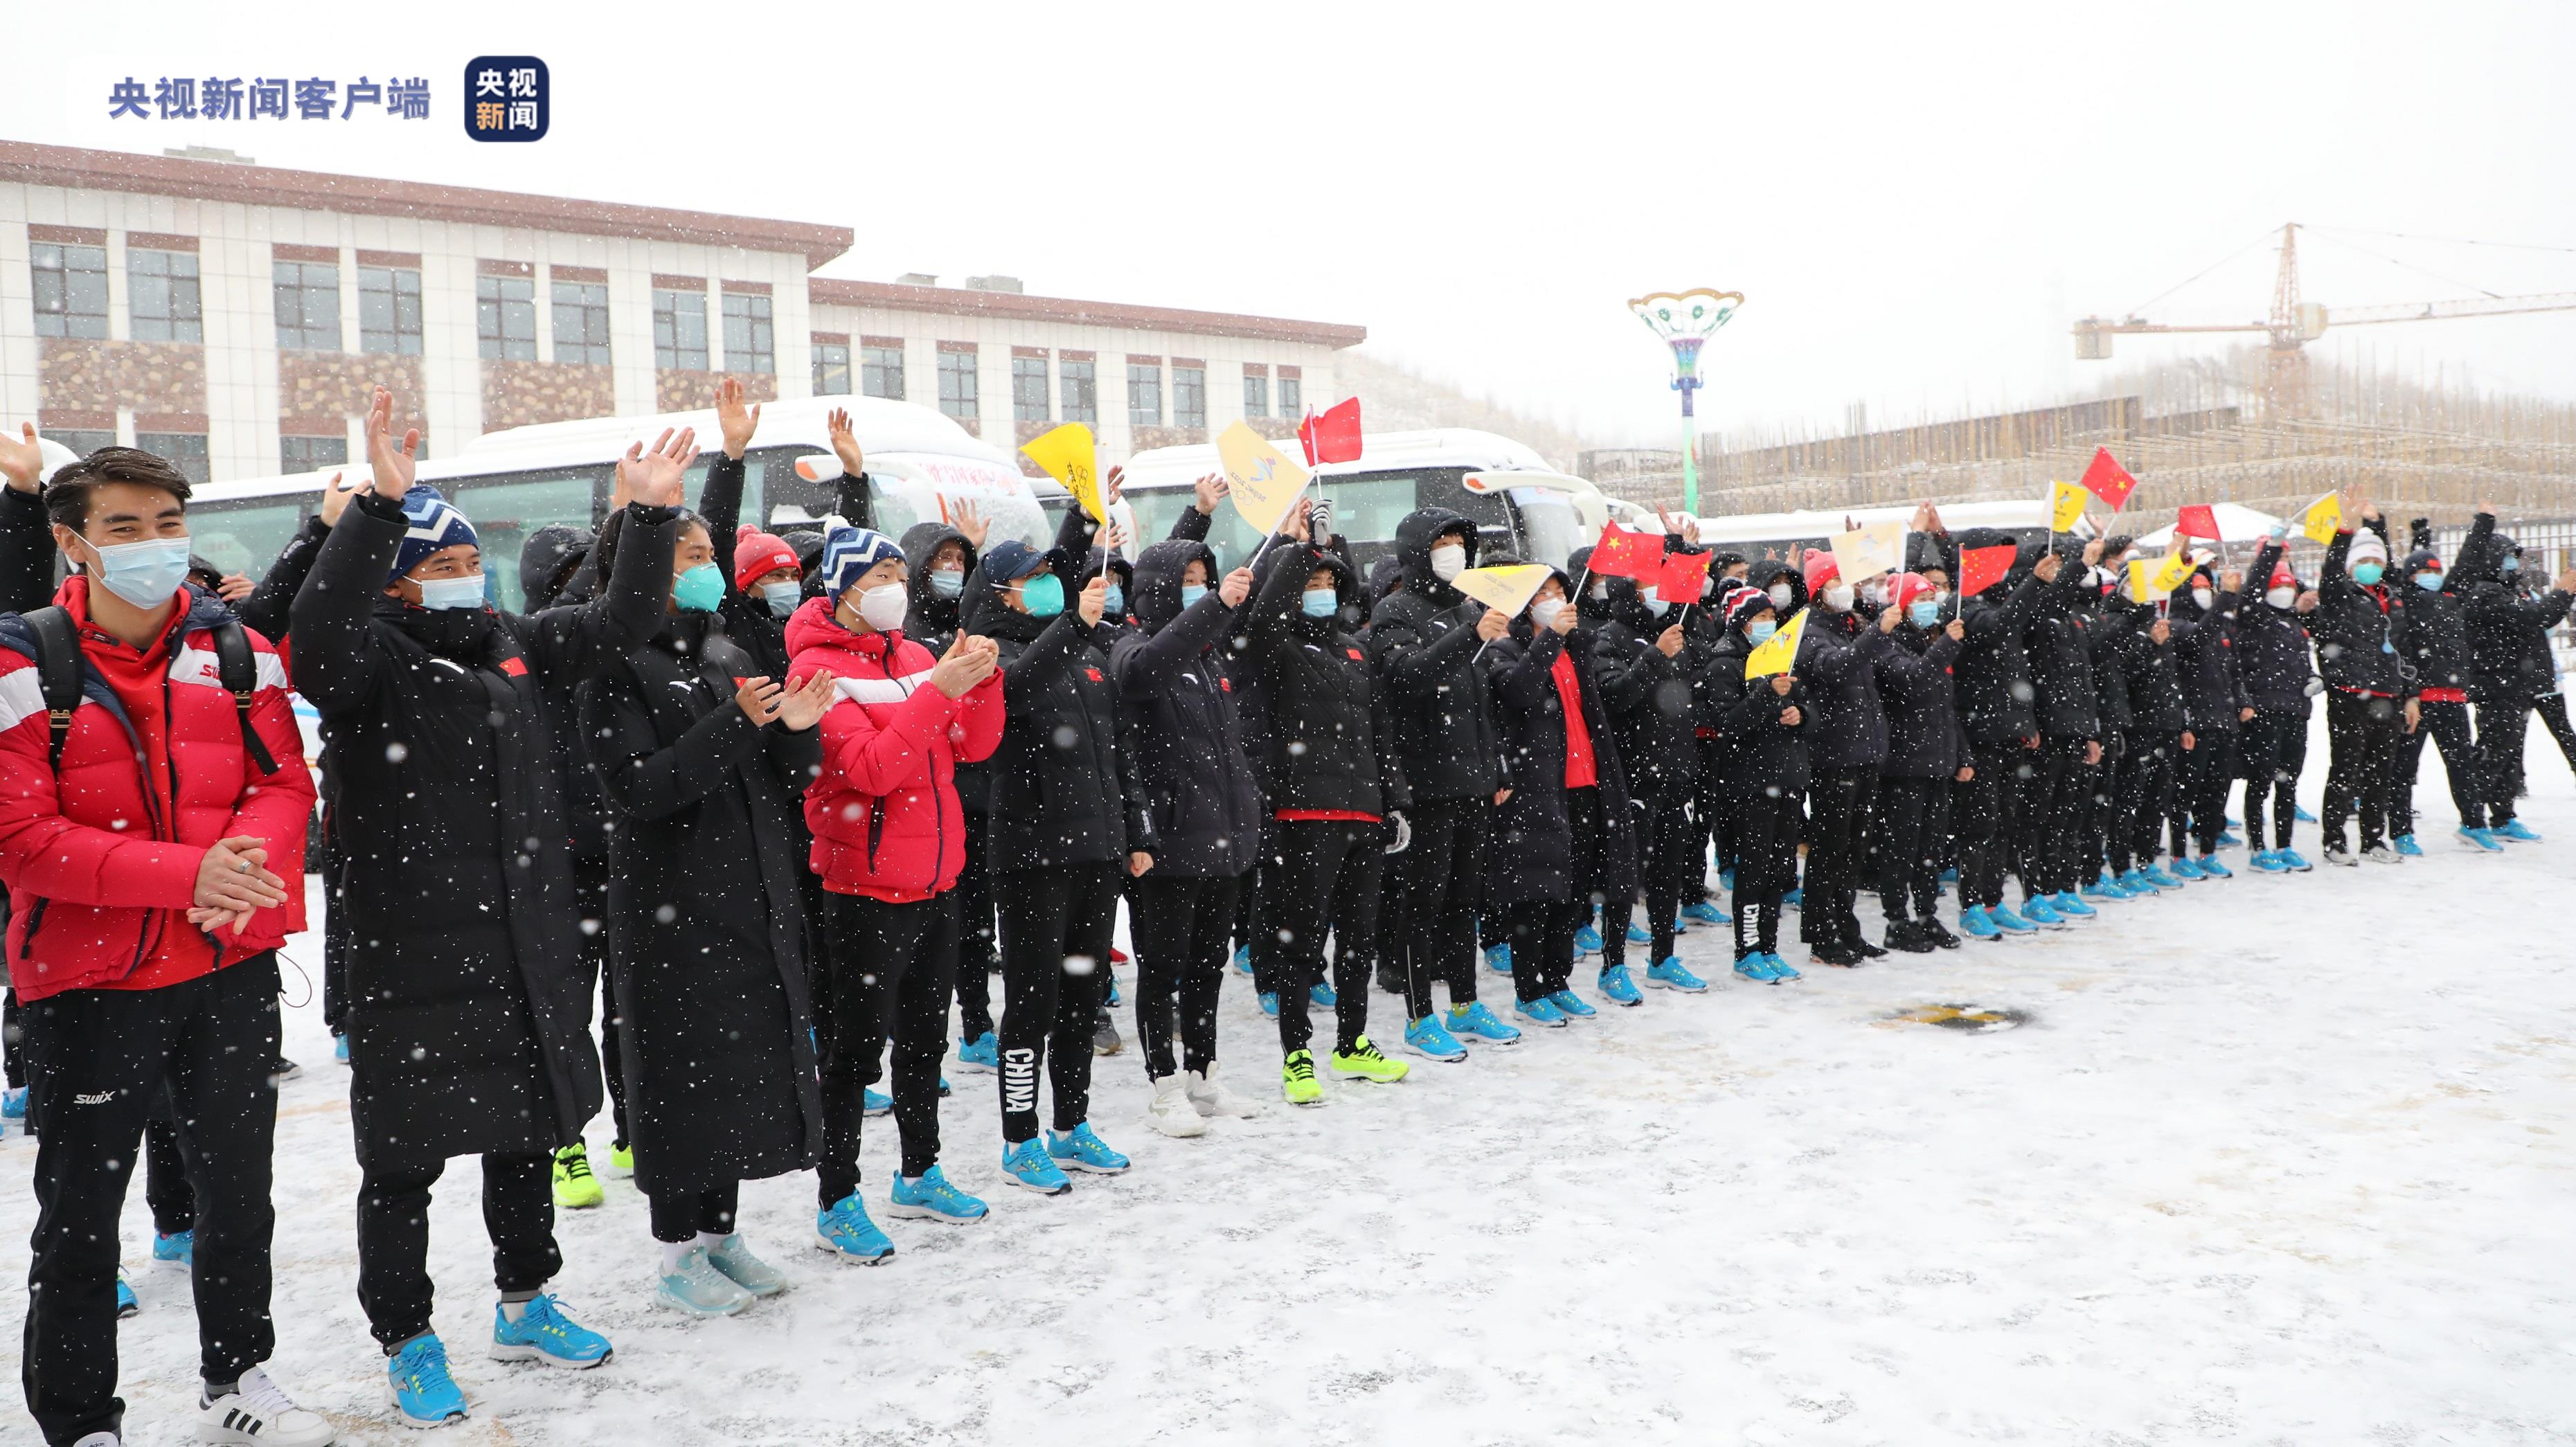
{"x":819,"y":467}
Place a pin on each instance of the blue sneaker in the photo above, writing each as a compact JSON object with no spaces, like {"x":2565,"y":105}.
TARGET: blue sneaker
{"x":2135,"y":882}
{"x":179,"y":1248}
{"x":1975,"y":925}
{"x":2069,"y":907}
{"x":1243,"y":959}
{"x":1028,"y":1164}
{"x":2159,"y":876}
{"x":873,"y":1101}
{"x":1950,"y":876}
{"x":2042,"y":912}
{"x":2185,"y":871}
{"x":844,"y":1231}
{"x":1757,"y":968}
{"x":1669,"y":973}
{"x":424,"y":1393}
{"x":2515,"y":830}
{"x":1703,"y":913}
{"x":340,"y":1048}
{"x":2483,"y":838}
{"x":1795,"y":899}
{"x":932,"y":1198}
{"x":1322,"y":997}
{"x":2106,"y":890}
{"x":1270,"y":1004}
{"x":1084,"y":1150}
{"x":2298,"y":862}
{"x":1499,"y":958}
{"x":1541,"y":1011}
{"x":1781,"y":969}
{"x":127,"y":1303}
{"x":2210,"y":868}
{"x":2300,"y":813}
{"x":1726,"y":879}
{"x":1571,"y":1005}
{"x":2227,"y":840}
{"x":2407,"y":846}
{"x":544,"y":1334}
{"x":1426,"y":1038}
{"x":1475,"y":1022}
{"x":1113,"y":1002}
{"x":2269,"y":862}
{"x":2009,"y":925}
{"x":983,"y":1054}
{"x":1618,"y":988}
{"x":13,"y":1107}
{"x":1637,"y":934}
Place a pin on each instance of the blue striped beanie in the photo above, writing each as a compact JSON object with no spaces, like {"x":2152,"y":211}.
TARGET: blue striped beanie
{"x":433,"y":525}
{"x":848,"y":553}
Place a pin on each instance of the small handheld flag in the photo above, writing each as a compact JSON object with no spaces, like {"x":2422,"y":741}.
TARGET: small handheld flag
{"x":2108,"y":480}
{"x":2199,"y":520}
{"x":1982,"y":568}
{"x":1068,"y":455}
{"x":2065,"y":505}
{"x":1332,"y":435}
{"x":1779,"y":652}
{"x":2323,"y":519}
{"x":1619,"y":553}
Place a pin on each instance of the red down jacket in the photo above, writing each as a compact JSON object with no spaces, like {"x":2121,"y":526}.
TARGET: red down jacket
{"x":884,"y":809}
{"x":102,"y":864}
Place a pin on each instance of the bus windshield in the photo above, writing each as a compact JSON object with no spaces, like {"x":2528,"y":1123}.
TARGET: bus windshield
{"x":1549,"y":529}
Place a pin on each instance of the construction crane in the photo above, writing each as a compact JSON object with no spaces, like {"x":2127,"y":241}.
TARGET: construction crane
{"x":2295,"y":323}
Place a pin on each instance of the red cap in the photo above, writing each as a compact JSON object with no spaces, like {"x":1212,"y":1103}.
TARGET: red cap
{"x":756,"y":555}
{"x":1820,"y":570}
{"x":2282,"y":577}
{"x":1906,"y":588}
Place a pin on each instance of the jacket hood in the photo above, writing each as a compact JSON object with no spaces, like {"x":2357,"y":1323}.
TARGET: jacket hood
{"x":2481,"y":560}
{"x":547,"y":560}
{"x":1383,"y":577}
{"x":1414,"y":538}
{"x":1628,"y":608}
{"x":1768,"y":571}
{"x":919,"y":543}
{"x":1346,"y":583}
{"x":1154,"y":593}
{"x":1122,"y":565}
{"x":1592,"y":611}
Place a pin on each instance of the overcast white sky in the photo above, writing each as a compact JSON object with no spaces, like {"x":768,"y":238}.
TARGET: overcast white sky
{"x":1915,"y":199}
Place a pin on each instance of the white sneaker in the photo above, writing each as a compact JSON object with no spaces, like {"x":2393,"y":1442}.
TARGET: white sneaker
{"x":2379,"y":854}
{"x":257,"y":1413}
{"x":2337,"y":854}
{"x":1212,"y":1098}
{"x":1171,"y":1113}
{"x":100,"y":1439}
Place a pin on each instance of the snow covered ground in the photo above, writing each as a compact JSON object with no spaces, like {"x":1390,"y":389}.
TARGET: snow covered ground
{"x":2277,"y":1161}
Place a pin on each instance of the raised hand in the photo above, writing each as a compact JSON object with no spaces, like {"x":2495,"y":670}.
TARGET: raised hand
{"x":233,"y":587}
{"x":1565,"y":618}
{"x":845,"y":443}
{"x":1236,"y":587}
{"x":1295,"y":527}
{"x":1958,"y":631}
{"x":1114,"y":486}
{"x":2306,"y":602}
{"x":1781,"y":683}
{"x":1496,"y":623}
{"x":735,"y":420}
{"x":971,"y":525}
{"x":2231,"y":582}
{"x":758,"y":698}
{"x":2160,"y":631}
{"x":1888,"y":618}
{"x":22,"y":460}
{"x":2048,"y":567}
{"x":2093,"y":552}
{"x":801,"y":707}
{"x":335,"y":500}
{"x":1320,"y":522}
{"x":1209,"y":491}
{"x":1669,"y":643}
{"x":653,"y":477}
{"x":2566,"y":581}
{"x":394,"y":466}
{"x":1093,"y":601}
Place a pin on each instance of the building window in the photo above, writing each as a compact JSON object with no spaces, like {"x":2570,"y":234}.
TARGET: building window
{"x":162,"y":295}
{"x":1189,"y":396}
{"x":957,"y":385}
{"x":308,"y":305}
{"x":581,"y":322}
{"x":1144,"y":395}
{"x":80,"y":442}
{"x":71,"y":290}
{"x":1079,"y":390}
{"x":680,"y":331}
{"x":748,"y":346}
{"x":505,"y":318}
{"x":881,"y":372}
{"x":831,"y":369}
{"x":1256,"y":394}
{"x":389,"y":310}
{"x":1028,"y":389}
{"x":185,"y":451}
{"x":312,"y":454}
{"x":1291,"y":397}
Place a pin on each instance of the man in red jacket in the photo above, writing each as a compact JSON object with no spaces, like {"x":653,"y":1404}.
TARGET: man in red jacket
{"x":155,"y":862}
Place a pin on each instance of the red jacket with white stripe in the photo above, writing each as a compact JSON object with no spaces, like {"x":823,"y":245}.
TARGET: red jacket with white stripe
{"x":101,"y":862}
{"x":884,"y":809}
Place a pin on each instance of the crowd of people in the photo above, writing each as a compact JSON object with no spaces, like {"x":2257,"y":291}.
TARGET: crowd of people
{"x":726,"y":821}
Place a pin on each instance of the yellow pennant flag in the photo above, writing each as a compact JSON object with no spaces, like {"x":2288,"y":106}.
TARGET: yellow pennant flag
{"x":1069,"y":456}
{"x":2153,"y":578}
{"x":1506,"y":590}
{"x":1780,"y":653}
{"x":1262,"y":481}
{"x":2175,"y":570}
{"x":2065,"y":505}
{"x":1869,"y":551}
{"x":2323,"y":519}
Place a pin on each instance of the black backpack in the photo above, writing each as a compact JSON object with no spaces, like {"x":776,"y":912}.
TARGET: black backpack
{"x":60,"y":669}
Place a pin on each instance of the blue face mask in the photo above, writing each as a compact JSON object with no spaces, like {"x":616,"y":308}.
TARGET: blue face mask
{"x":1044,"y":595}
{"x":2365,"y":573}
{"x":1113,"y":602}
{"x":2510,"y":566}
{"x":144,"y":574}
{"x":699,"y":589}
{"x":1191,"y":593}
{"x":948,"y":582}
{"x":782,"y":598}
{"x":1322,"y":602}
{"x":1760,"y":631}
{"x":440,"y":594}
{"x":2429,"y":582}
{"x":1923,"y":612}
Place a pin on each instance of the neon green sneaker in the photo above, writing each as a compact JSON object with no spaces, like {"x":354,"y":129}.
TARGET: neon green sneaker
{"x":575,"y":1186}
{"x":1363,"y":1062}
{"x":621,"y":1160}
{"x":1297,"y":1079}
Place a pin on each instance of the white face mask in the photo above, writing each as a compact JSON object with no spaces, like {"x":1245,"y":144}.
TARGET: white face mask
{"x":1780,"y":595}
{"x":1654,"y":602}
{"x":1600,"y":592}
{"x":2203,"y":596}
{"x":882,"y":607}
{"x":2281,"y":597}
{"x":1447,"y":561}
{"x":1544,"y":611}
{"x":1839,"y":598}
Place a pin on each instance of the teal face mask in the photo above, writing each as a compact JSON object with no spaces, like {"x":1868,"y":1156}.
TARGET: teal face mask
{"x":2429,"y":582}
{"x":1760,"y":632}
{"x":2365,"y":573}
{"x":2510,"y":566}
{"x":1191,"y":593}
{"x":1113,"y":601}
{"x":441,"y":594}
{"x":1321,"y":602}
{"x":1044,"y":595}
{"x":1923,"y":612}
{"x":699,"y":589}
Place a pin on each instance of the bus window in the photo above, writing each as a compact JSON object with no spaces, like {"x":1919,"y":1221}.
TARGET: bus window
{"x":245,"y":537}
{"x":506,"y":509}
{"x":1367,"y":508}
{"x":1549,"y":530}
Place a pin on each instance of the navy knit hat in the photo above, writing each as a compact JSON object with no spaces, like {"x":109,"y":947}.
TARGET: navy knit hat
{"x":1743,"y":603}
{"x":434,"y":526}
{"x":1010,"y":560}
{"x":848,"y":553}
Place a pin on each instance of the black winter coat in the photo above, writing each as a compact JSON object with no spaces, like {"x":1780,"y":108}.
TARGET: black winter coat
{"x":706,"y":913}
{"x":748,"y":623}
{"x":2356,"y":629}
{"x":1063,"y":791}
{"x":2508,"y":630}
{"x":2061,"y":658}
{"x":2150,"y":671}
{"x":2204,"y":647}
{"x":1529,"y":845}
{"x":1177,"y":713}
{"x":1331,"y":739}
{"x":2271,"y":644}
{"x":932,"y":620}
{"x":1423,"y":641}
{"x":1915,"y":686}
{"x":542,"y":562}
{"x":1764,"y":756}
{"x":1992,"y":675}
{"x":1646,"y":694}
{"x":2433,"y":636}
{"x":469,"y":1006}
{"x":1839,"y":660}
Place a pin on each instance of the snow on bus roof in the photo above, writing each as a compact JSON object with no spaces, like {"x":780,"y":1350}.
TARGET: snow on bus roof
{"x":1379,"y":452}
{"x":1765,"y":527}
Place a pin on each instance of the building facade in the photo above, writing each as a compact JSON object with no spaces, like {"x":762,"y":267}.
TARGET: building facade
{"x":235,"y":317}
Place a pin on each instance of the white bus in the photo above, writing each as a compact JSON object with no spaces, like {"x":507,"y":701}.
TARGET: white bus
{"x":1518,"y":502}
{"x":922,"y":465}
{"x":1784,"y":534}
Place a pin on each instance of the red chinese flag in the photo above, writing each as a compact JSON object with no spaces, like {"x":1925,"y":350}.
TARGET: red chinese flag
{"x":2198,"y":521}
{"x":1337,"y":432}
{"x":1982,"y":568}
{"x":1684,"y":575}
{"x":1623,"y":554}
{"x":2107,"y":479}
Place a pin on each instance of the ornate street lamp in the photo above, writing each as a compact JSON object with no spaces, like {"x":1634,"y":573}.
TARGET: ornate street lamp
{"x":1684,"y":320}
